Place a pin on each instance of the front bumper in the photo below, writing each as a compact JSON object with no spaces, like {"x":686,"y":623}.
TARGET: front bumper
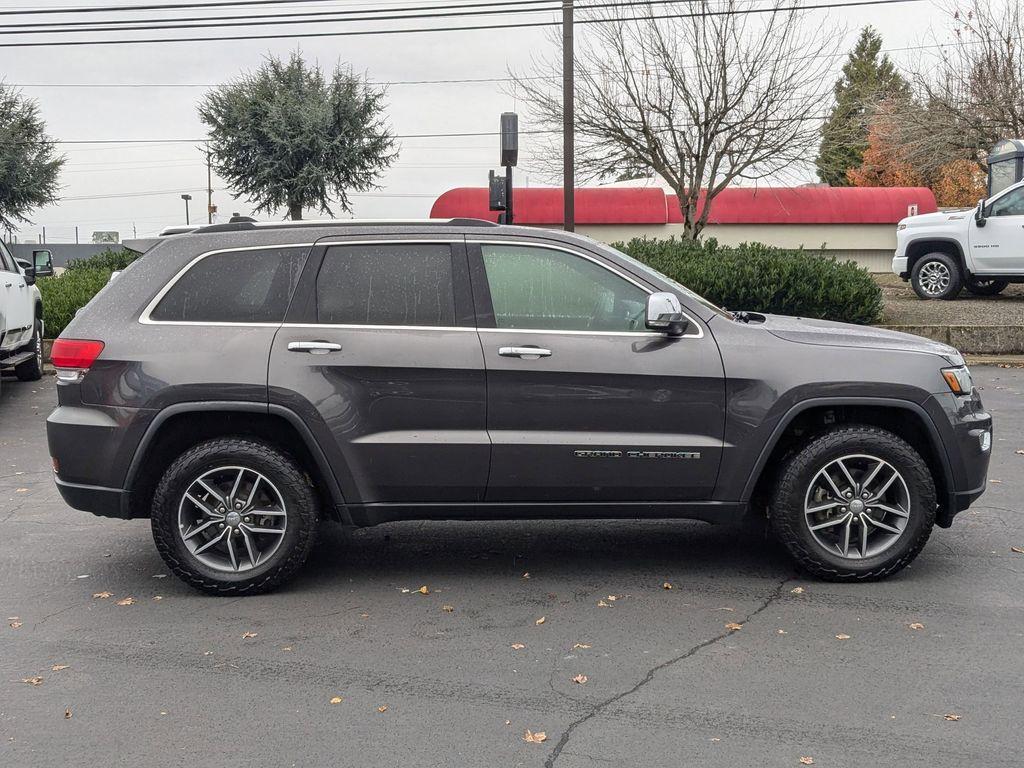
{"x":899,"y":266}
{"x":962,"y":422}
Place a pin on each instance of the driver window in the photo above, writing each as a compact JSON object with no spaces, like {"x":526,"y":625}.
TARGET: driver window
{"x":546,"y":289}
{"x":1010,"y":204}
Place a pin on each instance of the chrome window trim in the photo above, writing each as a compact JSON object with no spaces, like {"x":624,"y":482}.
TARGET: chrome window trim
{"x":145,"y":318}
{"x":598,"y":262}
{"x":357,"y":327}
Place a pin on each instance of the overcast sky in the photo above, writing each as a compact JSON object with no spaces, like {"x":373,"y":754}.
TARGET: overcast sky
{"x":148,"y":179}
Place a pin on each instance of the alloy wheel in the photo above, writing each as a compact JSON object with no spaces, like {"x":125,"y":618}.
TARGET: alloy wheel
{"x":857,"y":506}
{"x":232,"y":518}
{"x":934,"y":278}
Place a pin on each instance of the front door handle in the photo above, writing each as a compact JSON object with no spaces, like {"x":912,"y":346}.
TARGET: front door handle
{"x":314,"y":347}
{"x":525,"y":353}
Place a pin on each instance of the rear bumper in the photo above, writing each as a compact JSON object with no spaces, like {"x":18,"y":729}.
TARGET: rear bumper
{"x":105,"y":502}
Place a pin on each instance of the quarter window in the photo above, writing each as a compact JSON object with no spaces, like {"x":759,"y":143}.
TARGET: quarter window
{"x":387,"y":284}
{"x":1010,"y":204}
{"x":251,"y":286}
{"x":546,"y":289}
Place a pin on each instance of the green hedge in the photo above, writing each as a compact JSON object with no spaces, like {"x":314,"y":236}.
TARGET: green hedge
{"x":63,"y":295}
{"x":760,"y":278}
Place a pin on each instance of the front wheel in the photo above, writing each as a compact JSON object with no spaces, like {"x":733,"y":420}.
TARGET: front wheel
{"x":234,"y":516}
{"x":855,"y":504}
{"x":936,"y":276}
{"x":982,"y":287}
{"x":32,"y":369}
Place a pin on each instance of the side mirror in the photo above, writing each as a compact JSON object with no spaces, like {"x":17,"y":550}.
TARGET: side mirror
{"x":42,"y":264}
{"x":26,"y":271}
{"x":665,"y":313}
{"x":979,"y":214}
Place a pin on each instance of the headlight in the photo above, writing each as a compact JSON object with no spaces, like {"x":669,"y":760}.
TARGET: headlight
{"x":959,"y":380}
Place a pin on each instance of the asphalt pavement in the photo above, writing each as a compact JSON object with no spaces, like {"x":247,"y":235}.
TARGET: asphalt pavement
{"x":923,"y":669}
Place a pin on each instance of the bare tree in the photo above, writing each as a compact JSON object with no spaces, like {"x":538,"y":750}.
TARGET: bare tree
{"x":969,"y":94}
{"x":700,"y":94}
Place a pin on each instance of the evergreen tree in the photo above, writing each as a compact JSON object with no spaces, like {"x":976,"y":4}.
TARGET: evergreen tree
{"x":867,"y":78}
{"x":29,"y":164}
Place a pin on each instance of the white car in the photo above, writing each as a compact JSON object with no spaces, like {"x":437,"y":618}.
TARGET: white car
{"x":21,"y":313}
{"x":981,"y":250}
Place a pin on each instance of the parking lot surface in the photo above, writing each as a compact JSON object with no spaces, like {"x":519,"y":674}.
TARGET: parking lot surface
{"x":923,"y":669}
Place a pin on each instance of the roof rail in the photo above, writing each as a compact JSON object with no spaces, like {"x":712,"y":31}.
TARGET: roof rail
{"x":239,"y":224}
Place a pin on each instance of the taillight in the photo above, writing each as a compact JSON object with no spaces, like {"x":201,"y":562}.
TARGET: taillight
{"x":73,"y":357}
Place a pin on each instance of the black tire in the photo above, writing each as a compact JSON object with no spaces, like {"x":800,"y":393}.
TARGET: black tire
{"x":282,"y":470}
{"x":798,"y":472}
{"x":981,"y":287}
{"x":936,"y":276}
{"x":32,"y":369}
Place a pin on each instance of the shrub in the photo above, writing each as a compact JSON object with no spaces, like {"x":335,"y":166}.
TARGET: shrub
{"x":65,"y":294}
{"x":761,"y":278}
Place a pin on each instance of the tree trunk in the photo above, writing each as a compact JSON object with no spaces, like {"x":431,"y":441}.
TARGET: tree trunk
{"x":294,"y":210}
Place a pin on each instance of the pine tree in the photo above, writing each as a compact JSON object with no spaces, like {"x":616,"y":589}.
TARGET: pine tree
{"x":867,"y":78}
{"x":29,"y":164}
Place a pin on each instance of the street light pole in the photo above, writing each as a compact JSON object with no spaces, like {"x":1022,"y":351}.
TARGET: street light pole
{"x":186,"y":198}
{"x":568,"y":121}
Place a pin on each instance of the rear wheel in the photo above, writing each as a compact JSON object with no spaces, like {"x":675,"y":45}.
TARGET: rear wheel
{"x":32,"y":369}
{"x":982,"y":287}
{"x":234,"y":517}
{"x":936,"y":276}
{"x":855,"y":504}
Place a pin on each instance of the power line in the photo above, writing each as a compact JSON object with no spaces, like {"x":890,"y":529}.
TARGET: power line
{"x":416,"y":30}
{"x":156,"y":7}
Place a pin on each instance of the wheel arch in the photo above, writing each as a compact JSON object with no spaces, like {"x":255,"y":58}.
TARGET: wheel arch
{"x":916,"y":249}
{"x":803,"y":421}
{"x":182,"y":425}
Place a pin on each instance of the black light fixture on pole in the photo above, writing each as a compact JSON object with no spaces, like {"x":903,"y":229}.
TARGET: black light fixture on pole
{"x":500,"y":187}
{"x":186,"y":198}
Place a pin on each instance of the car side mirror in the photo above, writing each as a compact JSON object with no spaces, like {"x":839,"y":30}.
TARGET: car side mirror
{"x":979,"y":214}
{"x":665,"y":313}
{"x":42,"y":264}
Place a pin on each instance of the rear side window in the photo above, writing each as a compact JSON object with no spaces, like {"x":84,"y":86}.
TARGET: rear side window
{"x":252,"y":286}
{"x":387,"y":284}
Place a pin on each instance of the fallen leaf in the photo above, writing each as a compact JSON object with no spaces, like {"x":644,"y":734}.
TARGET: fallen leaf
{"x":732,"y":626}
{"x":158,"y":597}
{"x":1019,"y":452}
{"x":580,"y":645}
{"x":336,"y":700}
{"x":423,"y":590}
{"x":159,"y":575}
{"x":207,"y":653}
{"x":806,"y":761}
{"x":102,"y":595}
{"x":508,"y":722}
{"x":32,"y":680}
{"x":526,"y":575}
{"x":667,"y":585}
{"x":951,"y":716}
{"x":580,"y":679}
{"x":541,"y":620}
{"x":796,"y":591}
{"x":247,"y":635}
{"x":286,"y":648}
{"x":517,"y":646}
{"x":67,"y":713}
{"x":731,"y":610}
{"x":126,"y":601}
{"x":382,"y":708}
{"x":447,"y":608}
{"x":916,"y":625}
{"x":1018,"y":550}
{"x":22,"y":490}
{"x":611,"y":598}
{"x":405,"y":591}
{"x":781,"y":631}
{"x":715,"y":739}
{"x":535,"y":738}
{"x":15,"y":624}
{"x":842,"y":637}
{"x":59,"y":667}
{"x":602,"y":604}
{"x":364,"y":615}
{"x":997,"y":482}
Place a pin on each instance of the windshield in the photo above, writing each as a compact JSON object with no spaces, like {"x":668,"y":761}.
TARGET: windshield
{"x":678,"y":286}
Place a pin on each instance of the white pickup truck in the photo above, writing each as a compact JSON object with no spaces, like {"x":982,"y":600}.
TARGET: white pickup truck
{"x":980,"y":250}
{"x":21,"y":313}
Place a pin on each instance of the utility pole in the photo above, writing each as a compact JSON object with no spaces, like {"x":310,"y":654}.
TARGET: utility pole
{"x":76,"y":234}
{"x":186,"y":198}
{"x":568,"y":121}
{"x":209,"y":188}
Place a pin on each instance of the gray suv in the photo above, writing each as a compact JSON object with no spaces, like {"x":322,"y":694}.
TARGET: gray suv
{"x":241,"y":382}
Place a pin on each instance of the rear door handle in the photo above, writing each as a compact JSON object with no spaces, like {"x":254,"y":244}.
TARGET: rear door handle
{"x":314,"y":347}
{"x":526,"y":353}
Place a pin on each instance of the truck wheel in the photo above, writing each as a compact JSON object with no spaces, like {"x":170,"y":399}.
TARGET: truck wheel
{"x":32,"y":369}
{"x":855,"y":504}
{"x":234,"y":516}
{"x":936,"y":276}
{"x":980,"y":287}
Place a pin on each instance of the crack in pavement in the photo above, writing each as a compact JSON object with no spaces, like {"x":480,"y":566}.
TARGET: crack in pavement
{"x":601,"y":706}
